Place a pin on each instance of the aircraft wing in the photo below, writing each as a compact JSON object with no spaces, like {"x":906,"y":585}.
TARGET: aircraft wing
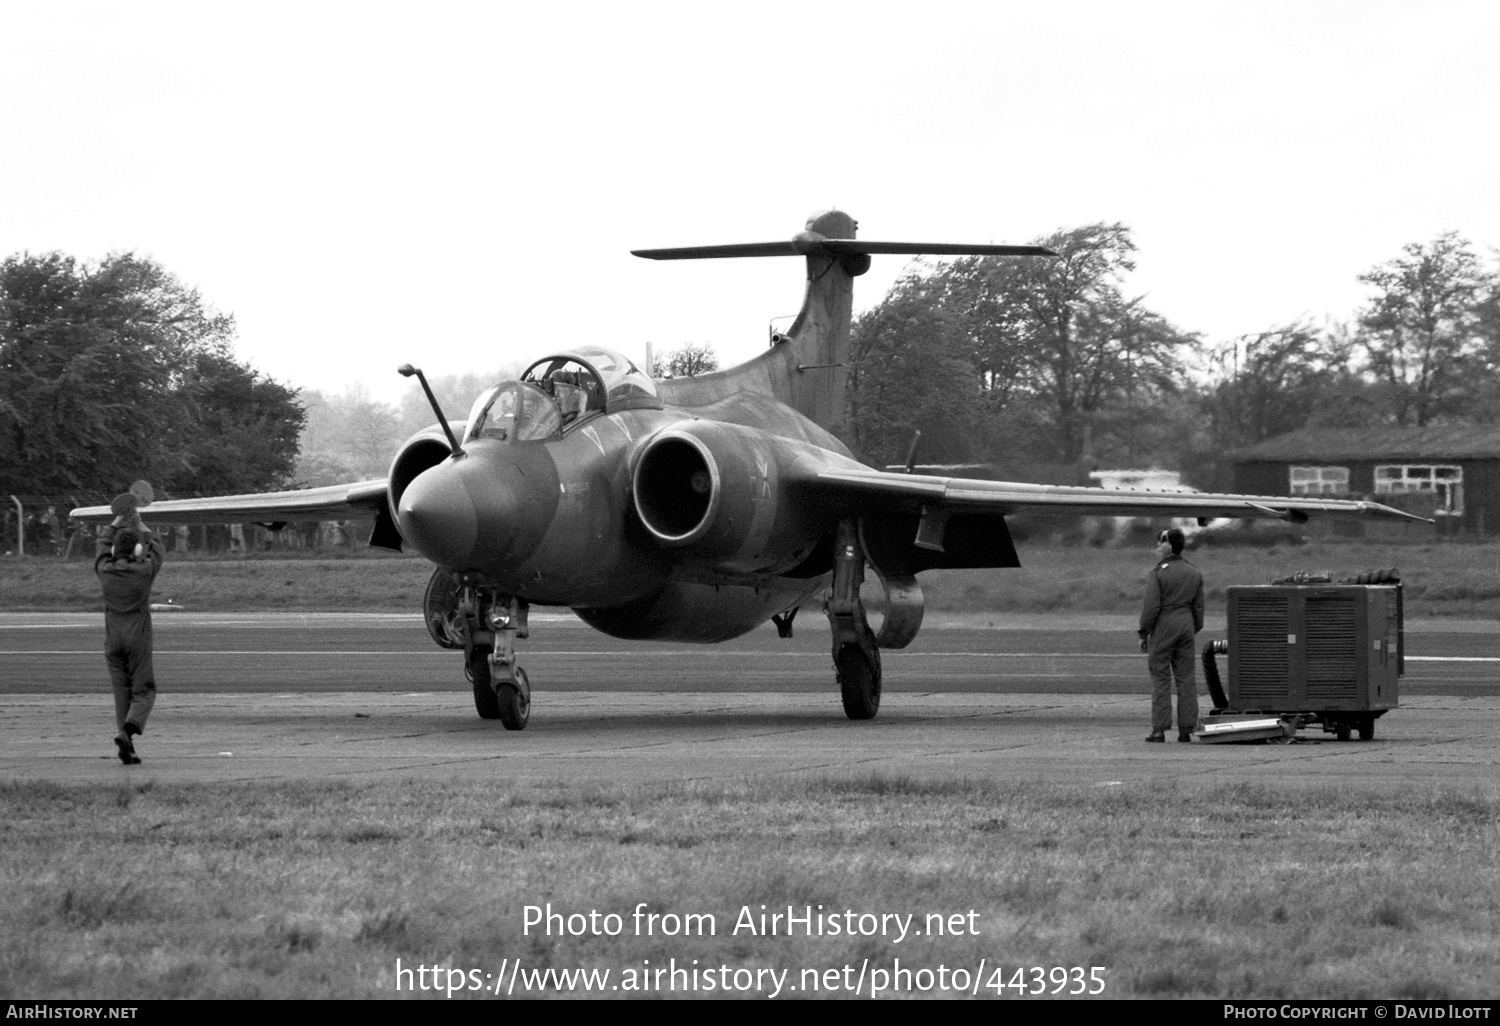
{"x":883,"y":490}
{"x":334,"y":502}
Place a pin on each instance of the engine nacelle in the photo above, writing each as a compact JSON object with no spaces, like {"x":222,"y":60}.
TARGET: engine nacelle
{"x":427,"y":448}
{"x":725,"y":496}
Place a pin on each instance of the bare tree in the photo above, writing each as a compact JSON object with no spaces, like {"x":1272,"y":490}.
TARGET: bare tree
{"x":1271,"y":383}
{"x":692,"y":359}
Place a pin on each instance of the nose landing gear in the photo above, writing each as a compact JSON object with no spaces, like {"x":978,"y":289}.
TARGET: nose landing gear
{"x":509,"y":700}
{"x":485,"y":624}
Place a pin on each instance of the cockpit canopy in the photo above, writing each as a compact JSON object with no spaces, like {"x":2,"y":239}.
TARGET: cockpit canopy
{"x":559,"y":391}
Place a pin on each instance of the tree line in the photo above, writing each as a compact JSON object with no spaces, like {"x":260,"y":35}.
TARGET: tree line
{"x":116,"y":370}
{"x":1051,"y":360}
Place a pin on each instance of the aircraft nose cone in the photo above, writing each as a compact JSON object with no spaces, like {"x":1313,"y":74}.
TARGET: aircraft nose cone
{"x":438,"y":519}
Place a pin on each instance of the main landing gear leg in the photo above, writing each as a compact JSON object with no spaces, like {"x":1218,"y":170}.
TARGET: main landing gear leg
{"x":855,"y":654}
{"x":492,"y":624}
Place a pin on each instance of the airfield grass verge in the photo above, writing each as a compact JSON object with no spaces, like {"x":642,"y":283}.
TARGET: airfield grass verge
{"x":316,"y":889}
{"x":1442,"y":579}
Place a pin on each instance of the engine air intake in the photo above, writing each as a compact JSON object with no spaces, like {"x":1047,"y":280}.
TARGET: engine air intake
{"x":676,"y":489}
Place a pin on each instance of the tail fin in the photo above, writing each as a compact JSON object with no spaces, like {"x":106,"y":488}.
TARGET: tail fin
{"x":807,"y":366}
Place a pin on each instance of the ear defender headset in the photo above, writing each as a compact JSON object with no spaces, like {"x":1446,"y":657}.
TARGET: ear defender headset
{"x":124,"y":547}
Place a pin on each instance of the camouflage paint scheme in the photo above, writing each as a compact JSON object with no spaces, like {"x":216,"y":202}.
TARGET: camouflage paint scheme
{"x":697,"y":509}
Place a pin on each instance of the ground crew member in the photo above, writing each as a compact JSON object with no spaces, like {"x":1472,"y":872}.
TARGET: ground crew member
{"x":1171,"y":615}
{"x":52,"y":531}
{"x":127,"y":558}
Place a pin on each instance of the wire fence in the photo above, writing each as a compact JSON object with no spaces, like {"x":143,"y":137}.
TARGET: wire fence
{"x":39,"y":526}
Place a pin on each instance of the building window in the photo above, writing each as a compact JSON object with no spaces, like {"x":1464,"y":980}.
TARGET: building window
{"x":1320,"y":480}
{"x":1446,"y":483}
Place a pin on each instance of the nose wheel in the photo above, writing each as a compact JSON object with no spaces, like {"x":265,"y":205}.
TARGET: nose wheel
{"x":515,"y":702}
{"x":477,"y":670}
{"x":491,"y":625}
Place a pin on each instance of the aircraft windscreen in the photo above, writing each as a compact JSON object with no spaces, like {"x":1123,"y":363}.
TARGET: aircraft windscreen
{"x":557,"y":392}
{"x":515,"y":411}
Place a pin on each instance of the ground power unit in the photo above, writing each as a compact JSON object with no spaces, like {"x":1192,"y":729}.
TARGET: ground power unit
{"x":1324,"y":653}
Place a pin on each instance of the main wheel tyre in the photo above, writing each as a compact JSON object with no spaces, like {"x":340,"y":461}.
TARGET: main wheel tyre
{"x":515,"y":702}
{"x":477,"y":669}
{"x":859,"y":682}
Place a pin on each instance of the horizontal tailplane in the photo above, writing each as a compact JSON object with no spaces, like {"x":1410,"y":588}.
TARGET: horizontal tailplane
{"x":807,"y":367}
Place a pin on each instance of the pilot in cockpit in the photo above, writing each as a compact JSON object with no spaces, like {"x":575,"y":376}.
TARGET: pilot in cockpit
{"x":572,"y":399}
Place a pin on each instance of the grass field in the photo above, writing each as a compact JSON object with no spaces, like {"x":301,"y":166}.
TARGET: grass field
{"x":1441,"y":579}
{"x":316,"y":890}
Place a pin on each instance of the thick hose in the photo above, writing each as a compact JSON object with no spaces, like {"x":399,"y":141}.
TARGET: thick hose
{"x":1211,"y":674}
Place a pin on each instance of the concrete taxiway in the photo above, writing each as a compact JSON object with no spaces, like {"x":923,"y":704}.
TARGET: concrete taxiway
{"x":341,"y":697}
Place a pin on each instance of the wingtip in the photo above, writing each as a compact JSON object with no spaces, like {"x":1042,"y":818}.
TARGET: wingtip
{"x":1391,"y":511}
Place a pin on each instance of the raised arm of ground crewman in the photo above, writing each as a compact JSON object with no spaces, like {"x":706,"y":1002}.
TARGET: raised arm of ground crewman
{"x":152,"y":548}
{"x":104,"y":544}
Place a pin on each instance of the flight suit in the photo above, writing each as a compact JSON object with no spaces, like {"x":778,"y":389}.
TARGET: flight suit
{"x":127,"y":626}
{"x":1171,"y":615}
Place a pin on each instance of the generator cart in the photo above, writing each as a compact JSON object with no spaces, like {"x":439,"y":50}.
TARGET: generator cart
{"x":1307,"y":649}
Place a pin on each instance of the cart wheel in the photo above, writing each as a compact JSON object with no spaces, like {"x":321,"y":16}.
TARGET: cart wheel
{"x":1341,"y":730}
{"x":1367,"y":728}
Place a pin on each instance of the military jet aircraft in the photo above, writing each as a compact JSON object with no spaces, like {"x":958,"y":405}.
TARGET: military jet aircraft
{"x":692,"y":509}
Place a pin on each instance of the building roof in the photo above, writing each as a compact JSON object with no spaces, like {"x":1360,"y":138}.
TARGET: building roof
{"x":1448,"y":441}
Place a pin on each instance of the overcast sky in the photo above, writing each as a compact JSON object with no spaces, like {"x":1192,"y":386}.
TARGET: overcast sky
{"x":458,"y":185}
